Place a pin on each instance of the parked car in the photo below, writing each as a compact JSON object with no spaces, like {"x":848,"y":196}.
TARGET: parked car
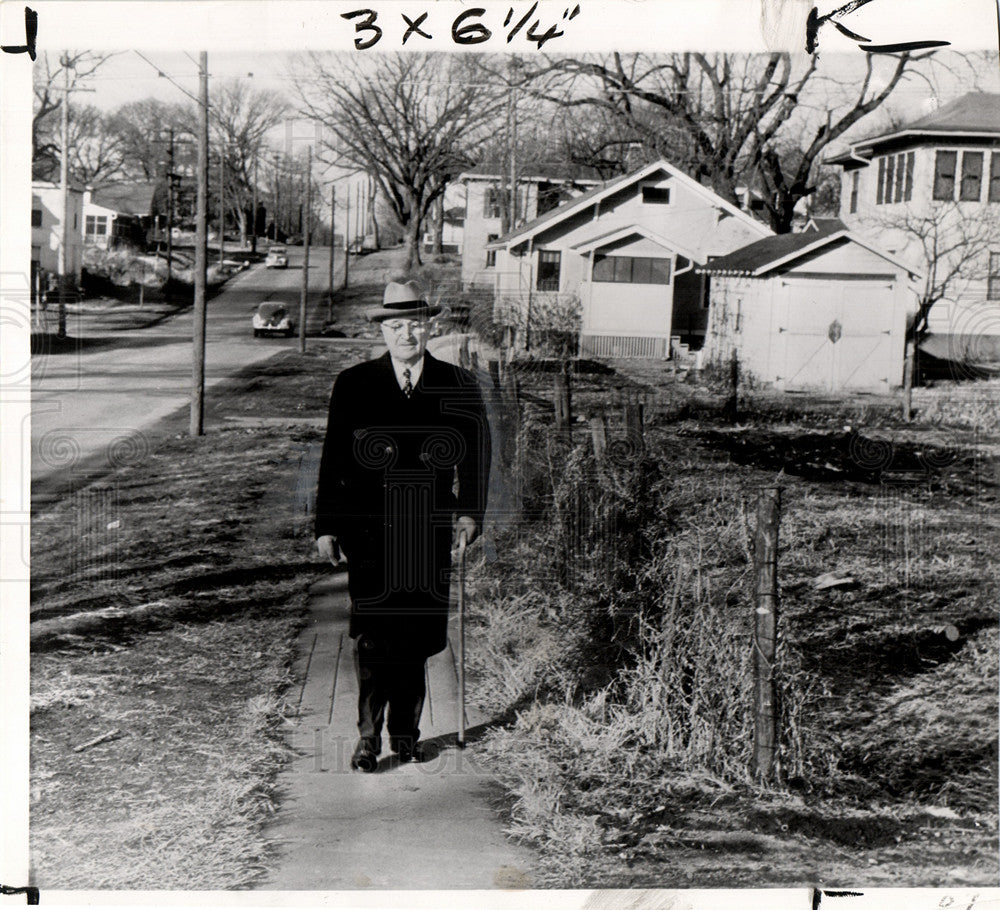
{"x":277,"y":258}
{"x":272,"y":319}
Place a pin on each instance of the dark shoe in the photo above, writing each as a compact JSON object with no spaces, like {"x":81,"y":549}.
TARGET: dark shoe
{"x":407,"y":750}
{"x":365,"y":758}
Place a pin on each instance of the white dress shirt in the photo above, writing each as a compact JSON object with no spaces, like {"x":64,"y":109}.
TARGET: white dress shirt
{"x":415,"y":371}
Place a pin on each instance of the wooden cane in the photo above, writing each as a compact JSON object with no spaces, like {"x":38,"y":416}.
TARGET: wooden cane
{"x":461,"y":638}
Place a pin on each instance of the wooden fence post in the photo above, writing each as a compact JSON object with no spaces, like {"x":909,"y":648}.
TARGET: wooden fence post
{"x":562,"y":401}
{"x":765,"y":628}
{"x":732,"y":407}
{"x":908,"y":381}
{"x":599,"y":436}
{"x":635,"y":429}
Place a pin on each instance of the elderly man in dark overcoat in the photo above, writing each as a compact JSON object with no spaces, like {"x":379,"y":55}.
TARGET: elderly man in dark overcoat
{"x":404,"y":471}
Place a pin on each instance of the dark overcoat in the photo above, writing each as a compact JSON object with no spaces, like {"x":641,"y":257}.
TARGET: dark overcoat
{"x":395,"y":472}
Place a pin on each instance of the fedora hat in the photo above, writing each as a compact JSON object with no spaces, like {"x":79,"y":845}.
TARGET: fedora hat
{"x":403,"y":300}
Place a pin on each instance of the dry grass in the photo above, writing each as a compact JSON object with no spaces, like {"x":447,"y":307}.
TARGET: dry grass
{"x":175,"y":625}
{"x":626,"y":759}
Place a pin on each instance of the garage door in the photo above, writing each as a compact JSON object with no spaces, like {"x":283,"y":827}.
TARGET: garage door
{"x":834,"y":335}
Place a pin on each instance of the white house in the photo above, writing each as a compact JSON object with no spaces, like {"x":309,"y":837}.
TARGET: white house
{"x":117,"y":214}
{"x":818,"y":310}
{"x":930,"y":192}
{"x":538,"y":192}
{"x":626,"y":253}
{"x":46,"y":229}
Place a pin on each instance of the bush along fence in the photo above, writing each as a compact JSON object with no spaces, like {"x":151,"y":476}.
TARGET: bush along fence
{"x":607,"y":597}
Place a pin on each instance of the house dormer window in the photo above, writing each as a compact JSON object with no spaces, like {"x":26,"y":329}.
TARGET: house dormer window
{"x":656,"y":195}
{"x":895,"y":179}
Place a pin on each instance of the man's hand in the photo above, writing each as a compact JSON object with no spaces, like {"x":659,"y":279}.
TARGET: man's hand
{"x":329,"y":548}
{"x":464,"y":523}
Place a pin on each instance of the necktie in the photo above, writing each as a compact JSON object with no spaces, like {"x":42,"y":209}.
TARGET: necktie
{"x":407,"y":385}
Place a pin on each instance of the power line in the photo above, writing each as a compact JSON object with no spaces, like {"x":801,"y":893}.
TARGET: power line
{"x":170,"y":79}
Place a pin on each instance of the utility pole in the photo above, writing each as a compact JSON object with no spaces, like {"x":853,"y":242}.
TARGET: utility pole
{"x":303,"y":297}
{"x":64,"y":186}
{"x":222,"y":202}
{"x":253,"y":217}
{"x":513,"y":151}
{"x":65,"y":267}
{"x":170,"y":210}
{"x":200,"y":255}
{"x":347,"y":238}
{"x":333,"y":233}
{"x":277,"y":198}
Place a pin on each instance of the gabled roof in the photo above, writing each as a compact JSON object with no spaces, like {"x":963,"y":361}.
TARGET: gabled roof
{"x":974,"y":115}
{"x":763,"y":256}
{"x":126,"y":198}
{"x":537,"y":171}
{"x":817,"y":223}
{"x":585,"y":200}
{"x":602,"y":240}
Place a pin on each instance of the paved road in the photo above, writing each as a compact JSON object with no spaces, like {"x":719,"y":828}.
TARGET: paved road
{"x":97,"y":407}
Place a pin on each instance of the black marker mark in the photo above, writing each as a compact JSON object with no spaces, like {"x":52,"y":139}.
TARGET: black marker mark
{"x":474,"y":32}
{"x":902,"y":47}
{"x":367,"y":25}
{"x":814,"y":22}
{"x":31,"y":893}
{"x":30,"y":37}
{"x":413,"y":27}
{"x":522,"y":23}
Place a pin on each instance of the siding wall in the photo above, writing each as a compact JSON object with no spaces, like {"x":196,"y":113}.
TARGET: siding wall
{"x":965,"y":309}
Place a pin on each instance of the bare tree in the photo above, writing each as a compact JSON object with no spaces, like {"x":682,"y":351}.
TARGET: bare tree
{"x":242,"y":116}
{"x":96,"y":152}
{"x":49,"y":77}
{"x":412,"y":121}
{"x":141,"y":129}
{"x":726,"y":119}
{"x":953,"y":250}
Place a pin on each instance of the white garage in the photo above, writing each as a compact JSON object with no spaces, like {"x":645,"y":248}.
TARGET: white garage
{"x":820,"y":310}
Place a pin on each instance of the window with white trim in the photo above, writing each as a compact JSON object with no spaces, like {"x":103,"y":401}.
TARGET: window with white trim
{"x":96,"y":226}
{"x":959,"y":175}
{"x":993,"y":283}
{"x":548,"y":270}
{"x":631,"y":269}
{"x":491,"y":255}
{"x":895,"y":180}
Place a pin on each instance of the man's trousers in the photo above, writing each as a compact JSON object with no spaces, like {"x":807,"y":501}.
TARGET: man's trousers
{"x":389,"y":677}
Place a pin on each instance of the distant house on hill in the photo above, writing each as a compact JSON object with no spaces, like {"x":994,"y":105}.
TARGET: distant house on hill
{"x":119,"y":214}
{"x":626,"y":252}
{"x":930,"y":191}
{"x":540,"y":189}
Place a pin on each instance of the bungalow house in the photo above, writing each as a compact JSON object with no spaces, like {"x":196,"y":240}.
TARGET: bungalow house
{"x":119,"y":214}
{"x":817,"y":310}
{"x":539,"y":191}
{"x":47,"y":233}
{"x":624,"y":254}
{"x":930,"y":192}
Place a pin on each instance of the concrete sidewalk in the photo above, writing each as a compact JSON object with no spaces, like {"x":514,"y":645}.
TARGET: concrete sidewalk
{"x":405,"y":826}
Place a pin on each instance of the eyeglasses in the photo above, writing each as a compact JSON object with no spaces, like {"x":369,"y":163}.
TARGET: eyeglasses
{"x":399,"y":326}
